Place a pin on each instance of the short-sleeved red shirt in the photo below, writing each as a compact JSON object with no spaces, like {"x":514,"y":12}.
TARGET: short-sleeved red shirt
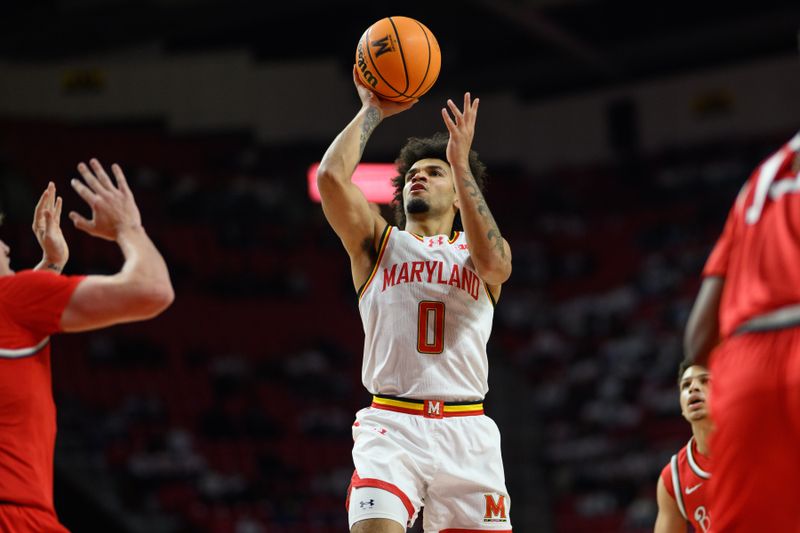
{"x":31,"y":304}
{"x":758,"y":252}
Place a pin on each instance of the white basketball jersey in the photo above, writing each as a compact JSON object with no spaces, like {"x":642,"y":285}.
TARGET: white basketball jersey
{"x":427,"y":318}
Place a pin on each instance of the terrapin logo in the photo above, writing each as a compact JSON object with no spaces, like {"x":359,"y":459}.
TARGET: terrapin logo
{"x":495,"y":508}
{"x":384,"y":44}
{"x":366,"y":75}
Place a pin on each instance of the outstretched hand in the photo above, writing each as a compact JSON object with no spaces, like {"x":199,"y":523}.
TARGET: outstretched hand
{"x":368,"y":98}
{"x":47,"y":228}
{"x":462,"y":129}
{"x":113,"y":207}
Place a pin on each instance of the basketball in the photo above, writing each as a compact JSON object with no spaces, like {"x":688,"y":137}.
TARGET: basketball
{"x":398,"y":58}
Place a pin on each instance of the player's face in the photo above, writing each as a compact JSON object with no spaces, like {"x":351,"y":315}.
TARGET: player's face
{"x":694,"y":387}
{"x":5,"y":261}
{"x":429,"y":188}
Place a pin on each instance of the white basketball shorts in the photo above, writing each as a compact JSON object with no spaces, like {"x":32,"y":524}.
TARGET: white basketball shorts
{"x":444,"y":457}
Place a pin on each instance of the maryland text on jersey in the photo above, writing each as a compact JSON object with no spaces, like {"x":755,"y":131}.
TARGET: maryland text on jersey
{"x":432,"y":272}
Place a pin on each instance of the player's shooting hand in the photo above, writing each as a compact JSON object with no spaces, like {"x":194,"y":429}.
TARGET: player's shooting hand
{"x":368,"y":98}
{"x":462,"y":129}
{"x":113,"y":207}
{"x":47,"y":228}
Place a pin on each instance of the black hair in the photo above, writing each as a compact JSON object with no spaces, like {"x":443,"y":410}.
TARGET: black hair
{"x":683,"y":366}
{"x":433,"y":147}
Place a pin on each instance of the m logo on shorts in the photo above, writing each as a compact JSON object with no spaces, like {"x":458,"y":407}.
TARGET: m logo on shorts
{"x":433,"y":409}
{"x":495,"y":508}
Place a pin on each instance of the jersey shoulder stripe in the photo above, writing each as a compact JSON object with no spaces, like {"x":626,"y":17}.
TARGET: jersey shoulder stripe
{"x":693,"y":464}
{"x":381,"y":249}
{"x":18,"y":353}
{"x":676,"y":485}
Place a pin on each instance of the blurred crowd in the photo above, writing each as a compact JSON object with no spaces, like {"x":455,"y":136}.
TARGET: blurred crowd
{"x":232,"y":413}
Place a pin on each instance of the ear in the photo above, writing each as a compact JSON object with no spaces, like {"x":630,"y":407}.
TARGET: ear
{"x":455,"y":204}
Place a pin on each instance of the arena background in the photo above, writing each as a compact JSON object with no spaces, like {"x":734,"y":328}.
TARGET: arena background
{"x":616,"y":133}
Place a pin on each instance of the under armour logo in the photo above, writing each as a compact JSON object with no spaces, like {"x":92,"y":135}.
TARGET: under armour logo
{"x":435,"y":240}
{"x":367,"y":504}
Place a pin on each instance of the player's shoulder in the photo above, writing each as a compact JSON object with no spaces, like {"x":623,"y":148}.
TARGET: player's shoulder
{"x":34,"y":277}
{"x":666,"y":471}
{"x":26,"y":281}
{"x":23,"y":277}
{"x":678,"y":458}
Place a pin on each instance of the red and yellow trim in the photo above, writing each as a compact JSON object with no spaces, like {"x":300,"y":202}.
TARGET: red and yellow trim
{"x":381,"y":249}
{"x":417,"y":407}
{"x":474,"y":530}
{"x":357,"y":482}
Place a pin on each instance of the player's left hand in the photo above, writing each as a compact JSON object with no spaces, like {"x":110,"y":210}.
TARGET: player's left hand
{"x":47,"y":228}
{"x":462,"y":129}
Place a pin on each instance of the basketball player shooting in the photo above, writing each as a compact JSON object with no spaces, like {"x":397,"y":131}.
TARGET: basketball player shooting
{"x":426,"y":297}
{"x":682,"y":487}
{"x":37,"y":303}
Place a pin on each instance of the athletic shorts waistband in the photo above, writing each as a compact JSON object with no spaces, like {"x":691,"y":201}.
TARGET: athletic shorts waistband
{"x":427,"y":408}
{"x":782,"y":318}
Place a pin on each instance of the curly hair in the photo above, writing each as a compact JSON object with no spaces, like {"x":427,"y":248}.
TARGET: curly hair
{"x":433,"y":147}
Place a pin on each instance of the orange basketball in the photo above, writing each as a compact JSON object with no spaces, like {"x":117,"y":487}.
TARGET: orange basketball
{"x":398,"y":58}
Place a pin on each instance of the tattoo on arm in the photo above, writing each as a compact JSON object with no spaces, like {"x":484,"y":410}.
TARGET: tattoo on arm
{"x":371,"y":121}
{"x":493,"y":235}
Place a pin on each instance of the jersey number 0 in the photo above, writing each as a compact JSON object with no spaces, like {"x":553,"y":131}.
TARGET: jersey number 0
{"x":430,"y":327}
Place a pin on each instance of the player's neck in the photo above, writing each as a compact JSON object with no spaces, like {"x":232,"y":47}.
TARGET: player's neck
{"x":429,"y":226}
{"x":702,"y":434}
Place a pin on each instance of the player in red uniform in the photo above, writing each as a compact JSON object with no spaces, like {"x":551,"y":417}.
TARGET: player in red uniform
{"x":750,"y":298}
{"x":37,"y":303}
{"x":681,"y":490}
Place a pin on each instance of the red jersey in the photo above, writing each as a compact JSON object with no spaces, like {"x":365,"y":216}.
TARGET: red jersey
{"x":759,"y":249}
{"x":31,"y":304}
{"x":685,"y":480}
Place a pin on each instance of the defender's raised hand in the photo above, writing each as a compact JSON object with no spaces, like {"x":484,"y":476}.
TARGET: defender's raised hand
{"x":462,"y":129}
{"x":113,"y":207}
{"x":47,"y":229}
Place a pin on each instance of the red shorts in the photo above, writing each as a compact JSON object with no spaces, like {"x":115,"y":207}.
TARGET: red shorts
{"x":22,"y":519}
{"x":755,"y":447}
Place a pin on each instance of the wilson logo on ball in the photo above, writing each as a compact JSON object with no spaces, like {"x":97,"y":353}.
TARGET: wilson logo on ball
{"x":410,"y":70}
{"x":366,"y":76}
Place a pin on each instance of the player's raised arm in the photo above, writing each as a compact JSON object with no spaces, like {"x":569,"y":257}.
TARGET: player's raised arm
{"x":669,"y":519}
{"x":47,"y":229}
{"x":489,"y":250}
{"x":344,"y":204}
{"x":142,"y":288}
